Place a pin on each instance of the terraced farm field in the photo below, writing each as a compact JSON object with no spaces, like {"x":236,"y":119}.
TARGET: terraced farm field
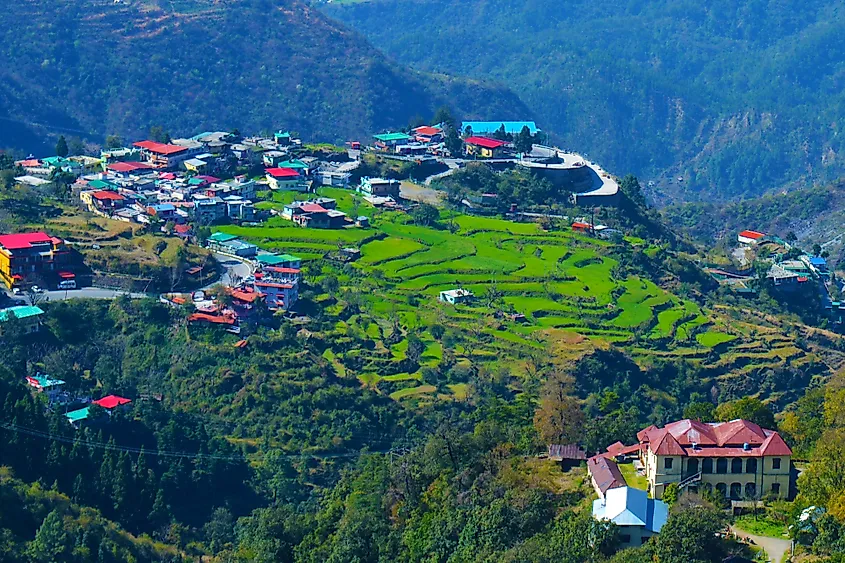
{"x":563,"y":283}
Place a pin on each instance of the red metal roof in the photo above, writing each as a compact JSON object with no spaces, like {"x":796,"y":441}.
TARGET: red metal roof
{"x":278,"y":270}
{"x":215,"y":319}
{"x":580,"y":225}
{"x":67,"y":275}
{"x":160,"y":148}
{"x":182,"y":229}
{"x":209,"y":179}
{"x":112,"y":401}
{"x":752,"y":234}
{"x":20,"y":241}
{"x":485,"y":142}
{"x":128,"y":166}
{"x":713,"y":439}
{"x":248,"y":296}
{"x":313,"y":208}
{"x":605,"y":473}
{"x":282,"y":172}
{"x":427,"y":130}
{"x":105,"y":194}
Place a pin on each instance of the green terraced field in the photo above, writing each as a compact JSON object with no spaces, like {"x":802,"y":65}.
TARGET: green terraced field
{"x":560,"y":281}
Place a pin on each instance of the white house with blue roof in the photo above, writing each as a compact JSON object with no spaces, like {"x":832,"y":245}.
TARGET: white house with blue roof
{"x":637,"y":516}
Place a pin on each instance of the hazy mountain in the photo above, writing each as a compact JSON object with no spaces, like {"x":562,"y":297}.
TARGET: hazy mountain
{"x":737,"y":97}
{"x":97,"y":67}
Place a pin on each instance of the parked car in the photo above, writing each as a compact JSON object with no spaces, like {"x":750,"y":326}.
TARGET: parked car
{"x":36,"y":289}
{"x":67,"y":284}
{"x":16,"y":291}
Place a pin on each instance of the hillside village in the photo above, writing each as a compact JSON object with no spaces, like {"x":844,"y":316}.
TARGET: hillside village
{"x":259,"y":211}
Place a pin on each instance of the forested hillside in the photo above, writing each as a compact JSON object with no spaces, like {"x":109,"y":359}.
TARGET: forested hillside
{"x":735,"y":97}
{"x":96,"y":67}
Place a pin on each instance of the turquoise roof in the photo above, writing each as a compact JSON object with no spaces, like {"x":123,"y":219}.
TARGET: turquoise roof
{"x":273,"y":259}
{"x":77,"y":415}
{"x":102,"y":185}
{"x":47,"y":381}
{"x":222,"y":237}
{"x":512,"y":127}
{"x":392,"y":137}
{"x":21,"y":312}
{"x":295,"y":164}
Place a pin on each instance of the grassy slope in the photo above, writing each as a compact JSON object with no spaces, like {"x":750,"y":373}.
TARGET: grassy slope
{"x":95,"y":67}
{"x":565,"y":288}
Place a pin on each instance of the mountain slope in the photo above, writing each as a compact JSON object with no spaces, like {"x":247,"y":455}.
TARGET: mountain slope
{"x":96,"y":67}
{"x":736,"y":97}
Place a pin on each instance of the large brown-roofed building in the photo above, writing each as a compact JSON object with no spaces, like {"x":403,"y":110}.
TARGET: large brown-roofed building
{"x":738,"y":458}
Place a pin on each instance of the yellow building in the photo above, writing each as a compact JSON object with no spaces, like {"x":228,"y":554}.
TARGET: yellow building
{"x":484,"y":147}
{"x":738,"y":458}
{"x":31,"y":258}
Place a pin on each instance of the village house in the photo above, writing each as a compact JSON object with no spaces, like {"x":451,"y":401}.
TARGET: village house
{"x":389,"y":141}
{"x":52,"y":389}
{"x":279,"y":261}
{"x":32,"y":258}
{"x":750,"y":237}
{"x":638,"y":517}
{"x":163,"y":155}
{"x":428,"y":134}
{"x":102,"y":202}
{"x":230,"y":244}
{"x":379,"y":187}
{"x":739,"y":459}
{"x":286,"y":179}
{"x":484,"y":147}
{"x":604,"y":475}
{"x":456,"y":296}
{"x":239,"y":209}
{"x":278,"y":286}
{"x":127,"y":169}
{"x":29,"y":316}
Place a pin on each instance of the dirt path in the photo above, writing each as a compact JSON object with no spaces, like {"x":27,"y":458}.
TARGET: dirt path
{"x":775,"y":548}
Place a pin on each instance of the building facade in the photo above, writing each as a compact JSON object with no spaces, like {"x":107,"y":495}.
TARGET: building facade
{"x":739,"y":459}
{"x":31,"y":258}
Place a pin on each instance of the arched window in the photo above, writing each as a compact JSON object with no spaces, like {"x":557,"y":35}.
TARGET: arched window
{"x":736,"y":490}
{"x":707,"y":465}
{"x":751,"y":465}
{"x":692,"y":466}
{"x":721,"y":465}
{"x":707,"y":487}
{"x":736,"y":465}
{"x":722,"y":489}
{"x":750,"y":490}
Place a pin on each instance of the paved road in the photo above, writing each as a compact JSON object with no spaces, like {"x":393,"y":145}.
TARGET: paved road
{"x":240,"y":268}
{"x":84,"y":293}
{"x":775,"y":548}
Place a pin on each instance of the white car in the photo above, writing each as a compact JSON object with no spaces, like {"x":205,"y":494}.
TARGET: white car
{"x":16,"y":291}
{"x":36,"y":289}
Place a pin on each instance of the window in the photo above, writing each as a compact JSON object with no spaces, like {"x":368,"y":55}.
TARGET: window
{"x":721,"y":465}
{"x":643,"y":540}
{"x":722,"y":489}
{"x":775,"y":488}
{"x":625,"y":538}
{"x":707,"y":465}
{"x":750,"y":490}
{"x":667,"y":463}
{"x":736,"y":465}
{"x":776,"y":463}
{"x":736,"y":490}
{"x":751,"y":465}
{"x":692,"y":466}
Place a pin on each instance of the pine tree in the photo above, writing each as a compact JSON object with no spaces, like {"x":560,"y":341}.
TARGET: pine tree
{"x":51,"y":540}
{"x":61,"y":147}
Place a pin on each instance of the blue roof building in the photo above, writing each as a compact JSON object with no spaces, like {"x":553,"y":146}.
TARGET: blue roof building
{"x":637,"y":516}
{"x":489,"y":127}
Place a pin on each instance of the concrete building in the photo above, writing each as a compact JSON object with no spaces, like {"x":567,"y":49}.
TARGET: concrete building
{"x":738,"y":458}
{"x":379,"y":187}
{"x":31,"y":258}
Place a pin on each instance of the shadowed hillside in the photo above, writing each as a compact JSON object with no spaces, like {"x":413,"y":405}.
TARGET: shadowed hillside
{"x":736,"y":97}
{"x":95,"y":67}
